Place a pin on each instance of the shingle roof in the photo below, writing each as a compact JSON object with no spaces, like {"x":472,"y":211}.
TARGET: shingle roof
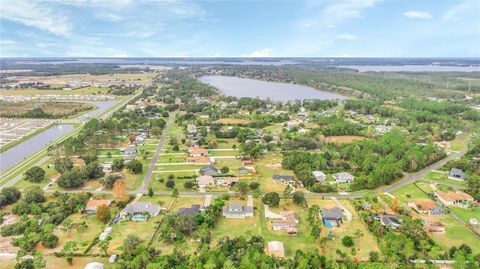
{"x":193,"y":210}
{"x":334,"y":213}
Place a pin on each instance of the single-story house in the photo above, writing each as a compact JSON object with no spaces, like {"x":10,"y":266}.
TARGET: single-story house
{"x":473,"y":221}
{"x":138,"y":209}
{"x":456,"y":174}
{"x":288,"y":220}
{"x":191,"y":129}
{"x":92,"y":205}
{"x":292,"y":231}
{"x":237,"y":210}
{"x":457,"y":198}
{"x":200,"y":160}
{"x":107,"y":167}
{"x":243,"y":170}
{"x":390,"y":220}
{"x":290,"y":180}
{"x":319,"y":176}
{"x":276,"y":249}
{"x":93,"y":265}
{"x":331,"y":217}
{"x":209,"y":170}
{"x":434,"y":227}
{"x":197,"y":151}
{"x":343,"y":177}
{"x":205,"y":181}
{"x":193,"y":210}
{"x":130,"y":151}
{"x":427,"y":207}
{"x":226,"y":181}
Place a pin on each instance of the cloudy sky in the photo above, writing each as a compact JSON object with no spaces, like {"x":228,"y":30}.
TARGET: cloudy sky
{"x":173,"y":28}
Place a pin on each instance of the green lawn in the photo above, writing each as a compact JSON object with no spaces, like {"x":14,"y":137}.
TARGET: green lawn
{"x":443,"y":178}
{"x":223,"y":152}
{"x":466,"y":213}
{"x":408,"y":193}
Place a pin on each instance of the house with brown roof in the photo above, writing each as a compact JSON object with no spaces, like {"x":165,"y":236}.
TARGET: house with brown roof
{"x":205,"y":181}
{"x":204,"y":160}
{"x":426,"y":207}
{"x":197,"y":151}
{"x":457,"y":198}
{"x":92,"y":205}
{"x":226,"y":181}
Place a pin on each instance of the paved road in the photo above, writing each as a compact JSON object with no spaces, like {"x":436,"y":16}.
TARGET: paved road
{"x":151,"y":168}
{"x":421,"y":173}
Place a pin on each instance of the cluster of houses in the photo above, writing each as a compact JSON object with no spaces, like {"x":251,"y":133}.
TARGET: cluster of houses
{"x":198,"y":155}
{"x":319,"y":176}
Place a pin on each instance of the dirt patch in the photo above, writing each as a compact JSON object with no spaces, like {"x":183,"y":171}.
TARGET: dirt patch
{"x":341,"y":139}
{"x":7,"y":251}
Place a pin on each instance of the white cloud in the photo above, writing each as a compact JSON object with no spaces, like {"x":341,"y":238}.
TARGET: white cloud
{"x":266,"y":52}
{"x":462,"y":8}
{"x":347,"y":37}
{"x":36,"y":14}
{"x":7,"y":42}
{"x":337,"y":12}
{"x":415,"y":14}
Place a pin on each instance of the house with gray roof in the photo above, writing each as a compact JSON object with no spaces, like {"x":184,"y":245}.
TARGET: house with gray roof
{"x":390,"y":221}
{"x":237,"y":210}
{"x":140,"y":208}
{"x":192,"y":211}
{"x":331,"y":217}
{"x":456,"y":174}
{"x":343,"y":177}
{"x":209,"y":170}
{"x":290,"y":180}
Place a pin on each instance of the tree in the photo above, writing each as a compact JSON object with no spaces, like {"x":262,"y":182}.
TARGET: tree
{"x":104,"y":246}
{"x":373,"y":256}
{"x":118,"y":164}
{"x":34,"y":174}
{"x":287,"y":192}
{"x":188,"y":184}
{"x":316,"y":230}
{"x":131,"y":243}
{"x":9,"y":195}
{"x":298,"y":198}
{"x":68,"y":250}
{"x":67,"y":226}
{"x":254,"y":185}
{"x":175,"y":193}
{"x":135,"y":166}
{"x":49,"y":240}
{"x":150,"y":192}
{"x":34,"y":194}
{"x":93,"y":170}
{"x":271,"y":199}
{"x":63,"y":164}
{"x":170,"y":184}
{"x":242,"y":187}
{"x":119,"y":191}
{"x":395,"y":205}
{"x":224,"y":169}
{"x":347,"y":241}
{"x":71,"y":179}
{"x":103,"y":213}
{"x":156,"y":131}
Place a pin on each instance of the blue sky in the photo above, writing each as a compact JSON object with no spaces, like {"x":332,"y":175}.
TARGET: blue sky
{"x":174,"y":28}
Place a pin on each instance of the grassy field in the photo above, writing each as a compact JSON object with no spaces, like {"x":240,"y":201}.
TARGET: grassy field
{"x":455,"y":235}
{"x":232,"y":121}
{"x":268,"y":166}
{"x":408,"y":193}
{"x":442,"y":178}
{"x":466,"y":213}
{"x":343,"y":139}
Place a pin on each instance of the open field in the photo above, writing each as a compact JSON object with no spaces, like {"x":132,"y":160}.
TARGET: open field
{"x":268,"y":166}
{"x":14,"y":132}
{"x":50,"y":109}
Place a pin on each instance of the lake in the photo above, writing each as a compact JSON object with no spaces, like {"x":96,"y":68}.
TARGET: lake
{"x":11,"y":157}
{"x":276,"y":91}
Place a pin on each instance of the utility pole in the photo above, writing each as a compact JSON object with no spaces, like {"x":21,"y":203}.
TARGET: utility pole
{"x":447,"y":84}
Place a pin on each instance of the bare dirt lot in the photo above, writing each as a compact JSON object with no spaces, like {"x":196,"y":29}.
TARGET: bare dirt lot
{"x":343,"y":139}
